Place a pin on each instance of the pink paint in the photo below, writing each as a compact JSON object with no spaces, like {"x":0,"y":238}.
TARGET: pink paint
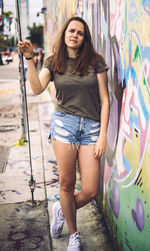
{"x":147,"y":10}
{"x":107,"y":173}
{"x":122,"y":174}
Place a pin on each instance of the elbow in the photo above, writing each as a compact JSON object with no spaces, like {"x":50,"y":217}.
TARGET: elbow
{"x":36,"y":87}
{"x":35,"y":92}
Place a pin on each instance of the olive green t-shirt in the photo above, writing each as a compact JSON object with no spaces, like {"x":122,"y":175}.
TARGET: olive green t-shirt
{"x":77,"y":95}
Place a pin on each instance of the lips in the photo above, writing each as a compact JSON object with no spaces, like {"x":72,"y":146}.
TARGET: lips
{"x":75,"y":41}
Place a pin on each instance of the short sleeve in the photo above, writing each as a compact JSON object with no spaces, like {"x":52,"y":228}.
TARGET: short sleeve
{"x":47,"y":64}
{"x":101,"y":65}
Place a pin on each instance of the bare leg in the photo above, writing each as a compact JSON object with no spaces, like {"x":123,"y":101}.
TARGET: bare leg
{"x":66,"y":158}
{"x":90,"y":172}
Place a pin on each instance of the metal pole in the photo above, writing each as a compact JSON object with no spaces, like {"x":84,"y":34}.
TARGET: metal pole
{"x":22,"y":80}
{"x":24,"y":101}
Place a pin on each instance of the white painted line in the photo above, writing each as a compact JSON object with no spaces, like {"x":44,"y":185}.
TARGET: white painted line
{"x":8,"y":80}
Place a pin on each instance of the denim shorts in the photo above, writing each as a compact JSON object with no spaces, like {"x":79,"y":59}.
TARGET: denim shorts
{"x":73,"y":129}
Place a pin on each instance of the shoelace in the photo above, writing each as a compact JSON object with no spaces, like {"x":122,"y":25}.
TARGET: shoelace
{"x":76,"y":239}
{"x":60,"y":223}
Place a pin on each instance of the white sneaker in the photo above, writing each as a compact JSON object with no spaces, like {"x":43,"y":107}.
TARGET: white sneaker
{"x":58,"y":220}
{"x":74,"y":242}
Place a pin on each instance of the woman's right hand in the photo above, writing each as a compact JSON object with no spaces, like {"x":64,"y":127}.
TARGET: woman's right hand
{"x":26,"y":48}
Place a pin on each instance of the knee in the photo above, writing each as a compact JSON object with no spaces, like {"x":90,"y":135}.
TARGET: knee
{"x":90,"y":194}
{"x":67,"y":185}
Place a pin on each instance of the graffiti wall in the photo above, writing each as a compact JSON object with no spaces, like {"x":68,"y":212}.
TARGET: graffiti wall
{"x":121,"y":33}
{"x":57,"y":13}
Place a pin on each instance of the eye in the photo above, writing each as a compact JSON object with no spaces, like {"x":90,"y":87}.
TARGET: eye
{"x":72,"y":30}
{"x":81,"y":33}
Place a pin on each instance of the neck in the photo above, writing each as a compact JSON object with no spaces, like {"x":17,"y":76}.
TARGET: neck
{"x":72,"y":53}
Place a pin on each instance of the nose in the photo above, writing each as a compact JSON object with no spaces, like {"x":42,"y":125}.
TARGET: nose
{"x":75,"y":34}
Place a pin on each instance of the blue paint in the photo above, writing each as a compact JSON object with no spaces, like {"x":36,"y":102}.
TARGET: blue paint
{"x":126,"y":164}
{"x":145,"y":52}
{"x":134,"y":76}
{"x":143,"y":106}
{"x":57,"y":197}
{"x":134,"y":120}
{"x":146,"y":3}
{"x":104,"y":26}
{"x":146,"y":6}
{"x":133,"y":12}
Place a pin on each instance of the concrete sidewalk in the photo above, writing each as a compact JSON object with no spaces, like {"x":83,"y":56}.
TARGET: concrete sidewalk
{"x":22,"y":225}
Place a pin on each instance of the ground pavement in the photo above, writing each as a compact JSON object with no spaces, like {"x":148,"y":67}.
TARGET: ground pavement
{"x":24,"y":226}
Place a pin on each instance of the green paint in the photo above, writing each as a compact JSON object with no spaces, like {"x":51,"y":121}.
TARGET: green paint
{"x":124,"y":228}
{"x":20,"y":142}
{"x":136,"y":54}
{"x":146,"y":85}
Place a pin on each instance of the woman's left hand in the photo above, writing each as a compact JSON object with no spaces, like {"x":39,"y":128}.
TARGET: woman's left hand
{"x":100,"y":146}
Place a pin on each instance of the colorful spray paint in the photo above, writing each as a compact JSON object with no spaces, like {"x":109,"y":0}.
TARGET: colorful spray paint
{"x":121,"y":33}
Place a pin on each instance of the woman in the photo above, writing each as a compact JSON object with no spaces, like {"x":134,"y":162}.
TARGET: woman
{"x":79,"y":122}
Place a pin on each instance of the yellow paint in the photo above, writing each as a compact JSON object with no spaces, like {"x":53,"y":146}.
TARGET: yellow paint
{"x":141,"y":26}
{"x":68,"y":7}
{"x":131,"y":152}
{"x":20,"y":142}
{"x":7,"y":91}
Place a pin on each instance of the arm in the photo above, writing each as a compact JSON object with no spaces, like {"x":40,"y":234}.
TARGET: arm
{"x":100,"y":145}
{"x":38,"y":82}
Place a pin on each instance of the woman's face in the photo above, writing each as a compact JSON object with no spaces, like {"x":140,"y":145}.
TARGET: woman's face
{"x":74,"y":35}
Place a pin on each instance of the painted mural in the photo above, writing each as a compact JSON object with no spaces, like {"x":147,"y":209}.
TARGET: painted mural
{"x":121,"y":33}
{"x":57,"y":13}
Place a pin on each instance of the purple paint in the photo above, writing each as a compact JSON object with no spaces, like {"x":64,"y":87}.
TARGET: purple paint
{"x":113,"y":124}
{"x":52,"y":161}
{"x":117,"y":56}
{"x":20,"y":238}
{"x":3,"y":193}
{"x":115,"y":201}
{"x":138,"y":215}
{"x":134,"y":215}
{"x":23,"y":163}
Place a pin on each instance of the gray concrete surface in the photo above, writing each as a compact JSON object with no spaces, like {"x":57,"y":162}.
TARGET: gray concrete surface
{"x":4,"y":153}
{"x":23,"y":226}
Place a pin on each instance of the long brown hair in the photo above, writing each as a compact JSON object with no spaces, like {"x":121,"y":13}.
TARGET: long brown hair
{"x":86,"y":53}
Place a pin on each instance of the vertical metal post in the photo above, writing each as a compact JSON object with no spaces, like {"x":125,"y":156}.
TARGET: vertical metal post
{"x":21,"y":79}
{"x":25,"y":120}
{"x":23,"y":107}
